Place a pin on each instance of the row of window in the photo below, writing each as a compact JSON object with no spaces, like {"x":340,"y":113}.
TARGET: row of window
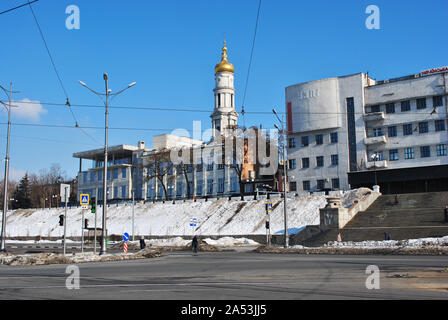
{"x":234,"y":187}
{"x":409,"y":153}
{"x":118,"y":193}
{"x":99,"y":175}
{"x":421,"y":103}
{"x":334,"y":161}
{"x":408,"y":129}
{"x":320,"y":185}
{"x":318,"y":138}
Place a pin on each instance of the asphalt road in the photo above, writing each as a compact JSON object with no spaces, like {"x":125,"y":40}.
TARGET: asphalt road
{"x":234,"y":276}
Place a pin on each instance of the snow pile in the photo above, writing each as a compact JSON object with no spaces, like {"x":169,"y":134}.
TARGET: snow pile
{"x":230,"y":241}
{"x":220,"y":217}
{"x":411,"y":243}
{"x":52,"y":258}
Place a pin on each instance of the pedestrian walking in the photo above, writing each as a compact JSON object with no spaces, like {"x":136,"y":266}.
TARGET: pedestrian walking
{"x":386,"y":236}
{"x":142,"y":243}
{"x":195,"y":244}
{"x":339,"y":237}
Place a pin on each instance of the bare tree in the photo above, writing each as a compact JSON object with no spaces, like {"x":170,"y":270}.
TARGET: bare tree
{"x":158,"y":166}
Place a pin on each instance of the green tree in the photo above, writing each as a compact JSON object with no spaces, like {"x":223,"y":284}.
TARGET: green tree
{"x":22,"y":194}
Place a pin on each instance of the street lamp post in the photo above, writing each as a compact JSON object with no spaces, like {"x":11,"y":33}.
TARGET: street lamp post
{"x":375,"y":158}
{"x":106,"y":103}
{"x":284,"y":174}
{"x":5,"y":180}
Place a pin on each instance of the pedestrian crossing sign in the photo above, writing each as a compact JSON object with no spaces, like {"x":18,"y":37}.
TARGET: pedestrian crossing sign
{"x":84,"y":199}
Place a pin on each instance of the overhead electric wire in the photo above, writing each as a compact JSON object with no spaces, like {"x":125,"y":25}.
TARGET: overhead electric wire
{"x":25,"y":4}
{"x":57,"y":74}
{"x":188,"y":109}
{"x":250,"y":60}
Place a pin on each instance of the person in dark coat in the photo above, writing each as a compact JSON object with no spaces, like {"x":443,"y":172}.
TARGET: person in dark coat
{"x":142,"y":243}
{"x":195,"y":244}
{"x":386,"y":237}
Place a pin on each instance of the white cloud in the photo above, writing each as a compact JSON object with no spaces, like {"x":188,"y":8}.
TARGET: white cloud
{"x":27,"y":109}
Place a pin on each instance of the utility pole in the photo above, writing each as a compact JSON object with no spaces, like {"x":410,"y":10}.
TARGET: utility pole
{"x":5,"y":180}
{"x":96,"y":201}
{"x":106,"y":103}
{"x":284,"y":174}
{"x":65,"y":219}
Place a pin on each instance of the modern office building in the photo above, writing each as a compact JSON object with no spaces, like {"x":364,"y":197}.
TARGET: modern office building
{"x":354,"y":131}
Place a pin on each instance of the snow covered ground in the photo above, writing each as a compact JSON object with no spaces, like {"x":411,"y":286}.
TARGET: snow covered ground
{"x":443,"y":241}
{"x":221,"y":217}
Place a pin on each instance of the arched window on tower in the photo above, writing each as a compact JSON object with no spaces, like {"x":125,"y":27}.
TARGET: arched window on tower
{"x":219,"y":100}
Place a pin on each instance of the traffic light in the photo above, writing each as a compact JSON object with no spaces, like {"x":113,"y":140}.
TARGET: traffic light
{"x":86,"y":223}
{"x":267,"y":224}
{"x":93,"y":205}
{"x":61,"y":220}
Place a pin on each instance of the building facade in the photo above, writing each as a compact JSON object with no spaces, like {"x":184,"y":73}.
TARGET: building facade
{"x":354,"y":131}
{"x":151,"y":173}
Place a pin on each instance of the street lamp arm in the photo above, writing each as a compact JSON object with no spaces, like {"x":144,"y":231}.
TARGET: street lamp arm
{"x":116,"y":94}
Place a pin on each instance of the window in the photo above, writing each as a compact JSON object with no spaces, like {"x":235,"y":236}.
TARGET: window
{"x":334,"y":159}
{"x":379,"y":156}
{"x":440,"y":125}
{"x":209,"y":186}
{"x":199,"y":185}
{"x":115,"y":192}
{"x":393,"y":155}
{"x":123,"y":192}
{"x":293,"y":186}
{"x":92,"y":176}
{"x":423,"y":127}
{"x":407,"y":129}
{"x":320,"y":161}
{"x":220,"y":185}
{"x":441,"y":150}
{"x":115,"y":173}
{"x":409,"y":153}
{"x":320,"y":184}
{"x":421,"y":103}
{"x":392,"y":131}
{"x":390,"y":108}
{"x":334,"y":137}
{"x":123,"y":173}
{"x":292,"y":142}
{"x":437,"y":101}
{"x":233,"y":184}
{"x":377,"y":132}
{"x":292,"y":163}
{"x":179,"y":189}
{"x":319,"y":139}
{"x":84,"y":176}
{"x":425,"y":152}
{"x":210,"y":167}
{"x":108,"y":174}
{"x":306,"y":185}
{"x":335,"y":183}
{"x":375,"y":109}
{"x":305,"y":162}
{"x":100,"y":175}
{"x":220,"y":166}
{"x":305,"y":141}
{"x":405,"y":105}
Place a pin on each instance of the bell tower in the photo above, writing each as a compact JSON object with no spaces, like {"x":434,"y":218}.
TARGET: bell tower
{"x":224,"y":116}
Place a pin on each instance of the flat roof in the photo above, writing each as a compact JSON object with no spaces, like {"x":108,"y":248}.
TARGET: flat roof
{"x":98,"y":153}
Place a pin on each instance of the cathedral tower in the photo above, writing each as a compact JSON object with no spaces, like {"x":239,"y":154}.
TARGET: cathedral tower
{"x":224,"y":116}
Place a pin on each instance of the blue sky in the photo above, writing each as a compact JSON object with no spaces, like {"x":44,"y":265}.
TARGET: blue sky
{"x":170,"y":49}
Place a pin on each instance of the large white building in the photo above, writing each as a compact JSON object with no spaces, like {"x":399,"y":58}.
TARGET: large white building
{"x":354,"y":131}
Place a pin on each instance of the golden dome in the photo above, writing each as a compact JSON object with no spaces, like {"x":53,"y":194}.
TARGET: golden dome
{"x":224,"y":65}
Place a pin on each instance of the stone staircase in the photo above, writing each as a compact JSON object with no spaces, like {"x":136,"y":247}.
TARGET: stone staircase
{"x":415,"y":215}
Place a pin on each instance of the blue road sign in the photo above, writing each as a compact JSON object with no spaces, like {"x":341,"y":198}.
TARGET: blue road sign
{"x":126,"y":237}
{"x":270,"y":206}
{"x":84,"y":199}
